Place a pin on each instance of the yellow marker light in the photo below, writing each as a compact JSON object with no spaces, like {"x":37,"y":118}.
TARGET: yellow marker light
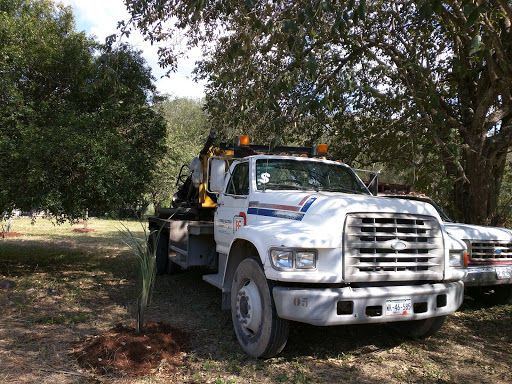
{"x":244,"y":140}
{"x":322,"y":148}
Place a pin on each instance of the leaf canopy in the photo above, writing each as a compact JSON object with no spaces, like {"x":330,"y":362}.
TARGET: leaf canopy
{"x":423,"y":85}
{"x":77,"y":128}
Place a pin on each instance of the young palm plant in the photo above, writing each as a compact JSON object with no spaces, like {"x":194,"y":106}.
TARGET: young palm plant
{"x":145,"y":252}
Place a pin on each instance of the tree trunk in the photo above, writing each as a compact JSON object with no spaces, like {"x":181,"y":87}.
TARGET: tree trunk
{"x":498,"y":170}
{"x":477,"y":198}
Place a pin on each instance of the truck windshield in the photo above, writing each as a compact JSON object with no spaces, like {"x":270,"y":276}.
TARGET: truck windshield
{"x":307,"y":175}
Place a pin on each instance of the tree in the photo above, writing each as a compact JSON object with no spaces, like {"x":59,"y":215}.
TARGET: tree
{"x":131,"y":132}
{"x":449,"y":77}
{"x":426,"y":82}
{"x":77,"y":128}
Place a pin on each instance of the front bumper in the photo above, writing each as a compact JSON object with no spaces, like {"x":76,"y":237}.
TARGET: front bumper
{"x":321,"y":306}
{"x":487,"y":275}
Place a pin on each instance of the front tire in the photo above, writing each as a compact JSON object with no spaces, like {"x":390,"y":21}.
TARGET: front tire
{"x":259,"y":330}
{"x":418,"y":329}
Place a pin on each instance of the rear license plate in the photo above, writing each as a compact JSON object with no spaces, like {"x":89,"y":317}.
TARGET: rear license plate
{"x":398,"y":307}
{"x":503,"y":272}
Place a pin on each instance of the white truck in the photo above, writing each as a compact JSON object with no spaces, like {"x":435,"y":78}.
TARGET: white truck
{"x":488,"y":264}
{"x":295,"y":238}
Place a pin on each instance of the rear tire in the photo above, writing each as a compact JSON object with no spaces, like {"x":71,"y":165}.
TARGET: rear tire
{"x":259,"y":330}
{"x":159,"y":240}
{"x":418,"y":329}
{"x":172,"y":267}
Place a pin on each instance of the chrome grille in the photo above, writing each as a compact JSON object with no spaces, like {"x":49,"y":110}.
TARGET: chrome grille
{"x":491,"y":251}
{"x":392,"y":247}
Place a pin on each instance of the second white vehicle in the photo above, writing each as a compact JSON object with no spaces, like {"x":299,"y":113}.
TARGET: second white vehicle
{"x":488,"y":264}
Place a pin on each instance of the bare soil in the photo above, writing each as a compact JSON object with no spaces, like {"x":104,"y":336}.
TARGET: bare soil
{"x":84,"y":230}
{"x":159,"y":347}
{"x":11,"y":234}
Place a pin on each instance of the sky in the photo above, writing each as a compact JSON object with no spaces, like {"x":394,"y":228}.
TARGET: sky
{"x":100,"y":18}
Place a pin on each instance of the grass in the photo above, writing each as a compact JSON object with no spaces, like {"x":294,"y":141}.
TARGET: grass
{"x":68,"y":284}
{"x":71,"y":285}
{"x":43,"y":228}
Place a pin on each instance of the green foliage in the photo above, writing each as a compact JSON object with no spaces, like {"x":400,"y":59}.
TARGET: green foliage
{"x":77,"y":131}
{"x":186,"y":134}
{"x":424,"y":85}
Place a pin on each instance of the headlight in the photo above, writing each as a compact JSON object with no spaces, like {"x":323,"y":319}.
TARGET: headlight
{"x":457,"y":258}
{"x":281,"y":259}
{"x":305,"y":260}
{"x":289,"y":259}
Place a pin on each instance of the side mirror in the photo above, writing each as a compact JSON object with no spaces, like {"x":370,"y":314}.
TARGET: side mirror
{"x":217,"y":172}
{"x":373,"y":185}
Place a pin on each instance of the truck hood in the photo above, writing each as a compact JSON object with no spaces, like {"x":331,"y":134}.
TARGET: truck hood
{"x":334,"y":204}
{"x":478,"y":232}
{"x":321,"y":215}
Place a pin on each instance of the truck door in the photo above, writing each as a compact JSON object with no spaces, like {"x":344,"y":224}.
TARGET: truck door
{"x":230,"y":214}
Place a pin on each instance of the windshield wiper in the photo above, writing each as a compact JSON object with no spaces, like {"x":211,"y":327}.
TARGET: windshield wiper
{"x":284,"y":186}
{"x":341,"y":189}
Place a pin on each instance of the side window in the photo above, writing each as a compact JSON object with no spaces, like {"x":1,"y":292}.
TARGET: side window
{"x":239,"y":182}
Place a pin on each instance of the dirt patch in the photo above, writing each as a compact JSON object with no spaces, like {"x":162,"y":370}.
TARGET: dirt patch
{"x":11,"y":234}
{"x":161,"y":349}
{"x":84,"y":230}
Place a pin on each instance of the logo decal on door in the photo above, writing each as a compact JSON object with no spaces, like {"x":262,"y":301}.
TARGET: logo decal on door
{"x":239,"y":221}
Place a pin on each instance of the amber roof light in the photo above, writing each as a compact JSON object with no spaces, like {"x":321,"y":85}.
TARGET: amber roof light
{"x":244,"y":140}
{"x":322,"y":148}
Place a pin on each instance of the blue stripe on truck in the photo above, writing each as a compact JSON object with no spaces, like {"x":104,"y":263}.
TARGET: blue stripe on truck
{"x":276,"y":213}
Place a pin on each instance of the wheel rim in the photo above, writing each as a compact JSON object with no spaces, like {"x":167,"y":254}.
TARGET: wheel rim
{"x":248,"y":307}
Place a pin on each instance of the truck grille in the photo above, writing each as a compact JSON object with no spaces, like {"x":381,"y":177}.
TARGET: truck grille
{"x":392,"y":247}
{"x":490,"y":251}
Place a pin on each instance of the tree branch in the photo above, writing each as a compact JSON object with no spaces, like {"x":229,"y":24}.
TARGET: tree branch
{"x":497,"y":116}
{"x":500,"y":141}
{"x":506,"y":8}
{"x":485,"y":103}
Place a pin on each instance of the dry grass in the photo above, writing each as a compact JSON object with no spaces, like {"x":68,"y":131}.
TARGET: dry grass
{"x":70,"y":284}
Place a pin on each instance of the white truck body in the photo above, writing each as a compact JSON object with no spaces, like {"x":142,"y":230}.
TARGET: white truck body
{"x":489,"y":249}
{"x":326,"y":222}
{"x":329,"y":256}
{"x":489,"y":253}
{"x":488,"y":263}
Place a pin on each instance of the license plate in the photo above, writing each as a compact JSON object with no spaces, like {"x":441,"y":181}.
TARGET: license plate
{"x":398,"y":307}
{"x":503,"y":272}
